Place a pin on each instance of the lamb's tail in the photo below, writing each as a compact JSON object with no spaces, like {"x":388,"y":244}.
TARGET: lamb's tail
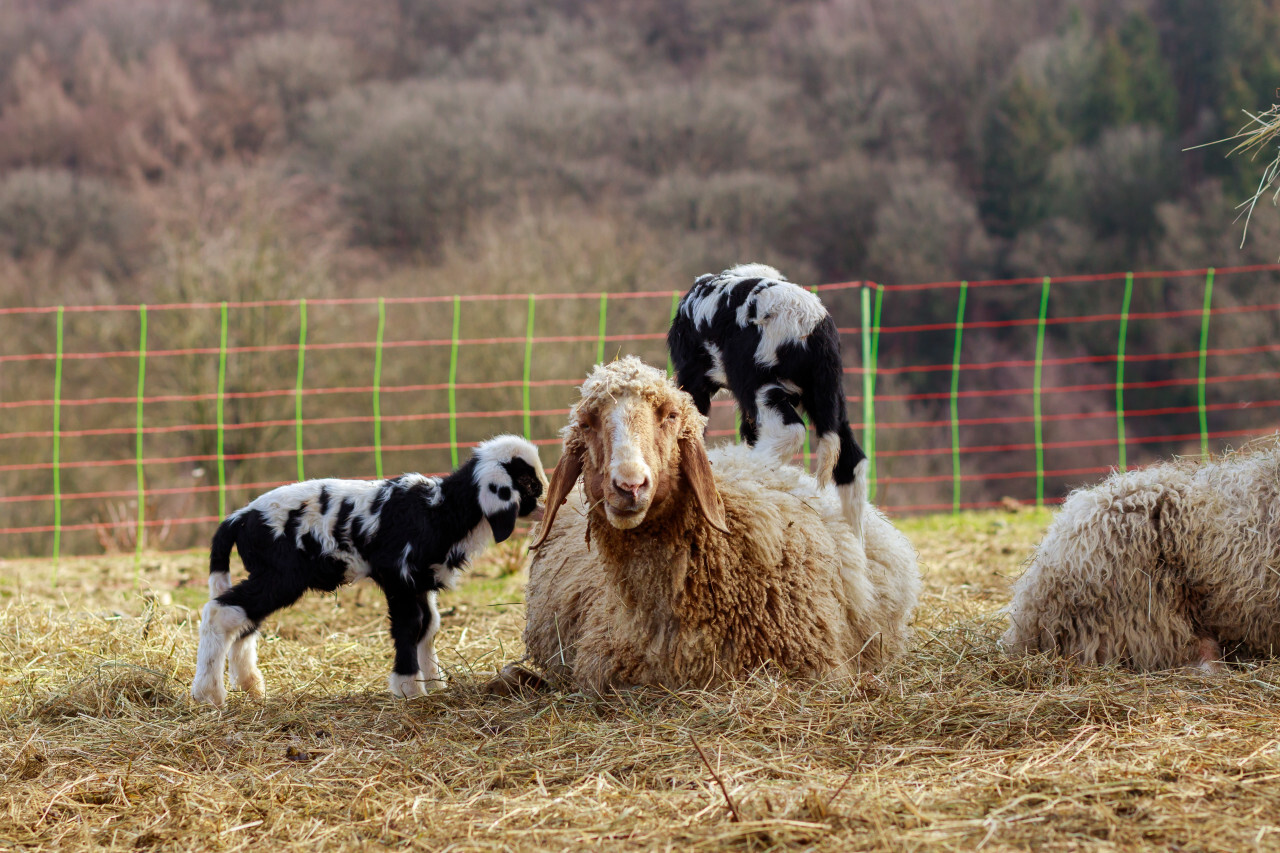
{"x":220,"y":555}
{"x":841,"y":460}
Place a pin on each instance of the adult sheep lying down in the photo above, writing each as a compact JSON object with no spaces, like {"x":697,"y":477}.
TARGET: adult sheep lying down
{"x":1173,"y":565}
{"x":674,"y":566}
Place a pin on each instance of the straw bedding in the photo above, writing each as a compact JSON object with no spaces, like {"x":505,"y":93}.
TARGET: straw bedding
{"x":954,"y":747}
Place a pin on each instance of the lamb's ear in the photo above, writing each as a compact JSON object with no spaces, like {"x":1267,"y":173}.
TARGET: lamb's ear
{"x":696,"y":468}
{"x":503,"y":522}
{"x":563,"y":480}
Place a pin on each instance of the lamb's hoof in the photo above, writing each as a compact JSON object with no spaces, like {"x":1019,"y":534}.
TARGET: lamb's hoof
{"x":406,"y":686}
{"x":209,"y":694}
{"x":254,"y":685}
{"x":512,"y":680}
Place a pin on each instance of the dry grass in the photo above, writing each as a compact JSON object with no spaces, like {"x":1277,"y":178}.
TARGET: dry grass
{"x":956,"y":747}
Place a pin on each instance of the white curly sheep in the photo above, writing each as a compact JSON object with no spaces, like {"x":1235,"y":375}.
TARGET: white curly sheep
{"x":1173,"y":565}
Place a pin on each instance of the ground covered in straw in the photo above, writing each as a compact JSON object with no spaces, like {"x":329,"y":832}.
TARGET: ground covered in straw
{"x":955,"y":747}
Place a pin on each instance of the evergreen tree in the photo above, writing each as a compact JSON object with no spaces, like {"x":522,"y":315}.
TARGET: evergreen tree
{"x":1021,"y":135}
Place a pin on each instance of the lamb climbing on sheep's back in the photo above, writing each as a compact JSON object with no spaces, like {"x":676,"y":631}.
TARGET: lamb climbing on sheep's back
{"x":674,"y":566}
{"x":1173,"y":565}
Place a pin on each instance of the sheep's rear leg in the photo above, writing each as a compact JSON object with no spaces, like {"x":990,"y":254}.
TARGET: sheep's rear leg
{"x":242,"y":659}
{"x":220,"y":626}
{"x":230,"y":623}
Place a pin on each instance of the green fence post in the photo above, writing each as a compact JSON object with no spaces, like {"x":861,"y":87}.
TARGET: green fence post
{"x":453,"y":382}
{"x":297,"y":391}
{"x":1121,"y":439}
{"x":377,"y":388}
{"x":1204,"y":352}
{"x":142,"y":486}
{"x":528,"y":368}
{"x":1035,"y":396}
{"x":604,"y":307}
{"x":222,"y":389}
{"x":955,"y":406}
{"x":57,"y":448}
{"x":868,"y":392}
{"x":873,"y":467}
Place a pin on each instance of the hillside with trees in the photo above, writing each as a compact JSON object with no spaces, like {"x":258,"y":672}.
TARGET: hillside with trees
{"x":145,"y":145}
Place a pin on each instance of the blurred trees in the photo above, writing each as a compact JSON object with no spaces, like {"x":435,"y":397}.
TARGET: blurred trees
{"x":791,"y":129}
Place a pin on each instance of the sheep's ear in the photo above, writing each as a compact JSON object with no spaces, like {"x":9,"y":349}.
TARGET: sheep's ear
{"x":563,"y":480}
{"x":503,"y":522}
{"x":696,"y":468}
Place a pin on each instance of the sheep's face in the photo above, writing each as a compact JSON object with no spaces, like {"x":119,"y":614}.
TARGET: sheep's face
{"x":632,"y":456}
{"x":635,"y":438}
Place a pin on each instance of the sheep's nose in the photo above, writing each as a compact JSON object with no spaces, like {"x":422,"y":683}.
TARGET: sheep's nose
{"x":629,"y":487}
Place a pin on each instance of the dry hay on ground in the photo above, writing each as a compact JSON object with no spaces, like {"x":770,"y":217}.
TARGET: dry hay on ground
{"x":956,"y":747}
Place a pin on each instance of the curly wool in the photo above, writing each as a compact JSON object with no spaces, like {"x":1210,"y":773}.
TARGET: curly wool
{"x":1167,"y":566}
{"x":674,"y":602}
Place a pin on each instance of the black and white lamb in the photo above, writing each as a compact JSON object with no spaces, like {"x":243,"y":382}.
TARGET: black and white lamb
{"x":775,"y":347}
{"x":412,"y":535}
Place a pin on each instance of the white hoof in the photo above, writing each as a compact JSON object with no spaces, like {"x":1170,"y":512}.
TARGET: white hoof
{"x":406,"y":686}
{"x":210,"y":693}
{"x":252,"y":683}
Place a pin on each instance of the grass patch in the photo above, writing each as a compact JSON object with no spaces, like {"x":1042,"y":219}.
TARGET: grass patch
{"x":955,"y":746}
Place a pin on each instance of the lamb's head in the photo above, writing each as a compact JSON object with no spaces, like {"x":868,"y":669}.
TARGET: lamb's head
{"x":636,"y":441}
{"x":509,"y":479}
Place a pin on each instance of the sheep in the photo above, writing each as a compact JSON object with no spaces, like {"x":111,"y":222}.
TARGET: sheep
{"x":775,"y":347}
{"x":412,"y":535}
{"x":668,"y":571}
{"x":1172,"y":565}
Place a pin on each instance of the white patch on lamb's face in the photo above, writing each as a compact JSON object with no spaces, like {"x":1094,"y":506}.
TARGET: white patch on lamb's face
{"x":716,"y":374}
{"x":491,"y":476}
{"x":406,"y":568}
{"x":785,"y":313}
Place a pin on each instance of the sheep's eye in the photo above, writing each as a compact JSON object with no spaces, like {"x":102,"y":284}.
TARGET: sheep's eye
{"x":671,"y":416}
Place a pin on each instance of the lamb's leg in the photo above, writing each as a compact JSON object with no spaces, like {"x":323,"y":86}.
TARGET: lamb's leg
{"x":428,"y":662}
{"x":781,"y":427}
{"x":220,"y":626}
{"x":267,"y":589}
{"x":405,"y":680}
{"x":243,"y":664}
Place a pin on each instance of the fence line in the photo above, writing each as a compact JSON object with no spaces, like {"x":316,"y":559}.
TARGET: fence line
{"x":939,"y":430}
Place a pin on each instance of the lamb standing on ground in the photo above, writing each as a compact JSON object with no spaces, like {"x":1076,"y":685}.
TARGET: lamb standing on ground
{"x":412,"y":535}
{"x":773,"y":344}
{"x":1160,"y":567}
{"x":666,"y":573}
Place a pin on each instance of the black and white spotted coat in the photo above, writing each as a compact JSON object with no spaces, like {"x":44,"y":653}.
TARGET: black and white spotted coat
{"x":412,"y":535}
{"x":774,"y":346}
